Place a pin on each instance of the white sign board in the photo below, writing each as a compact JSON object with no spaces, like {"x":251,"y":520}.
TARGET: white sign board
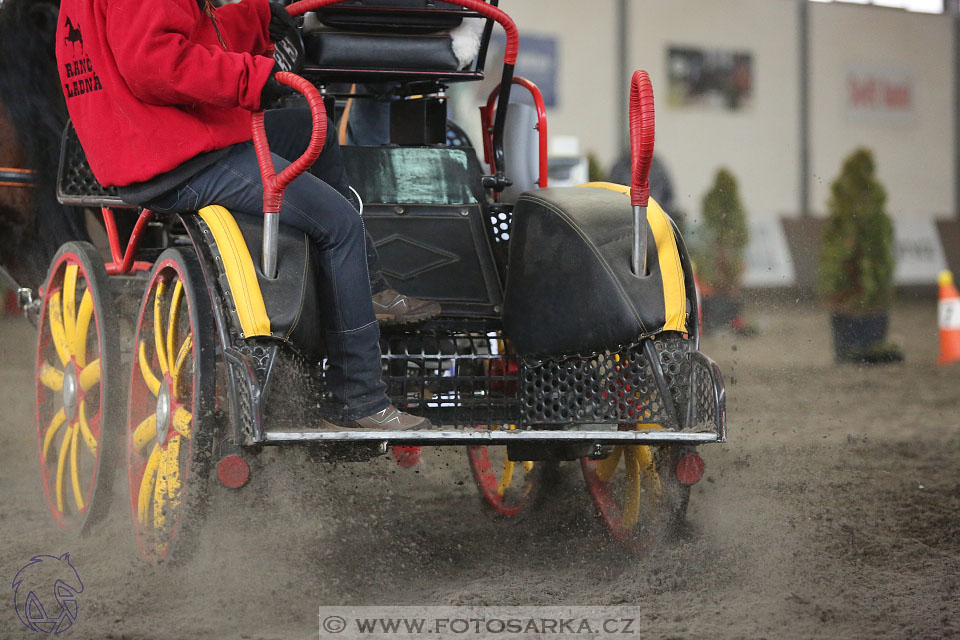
{"x":768,"y":256}
{"x":879,"y":94}
{"x":918,"y":251}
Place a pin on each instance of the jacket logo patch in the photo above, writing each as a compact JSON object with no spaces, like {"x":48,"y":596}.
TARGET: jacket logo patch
{"x":81,"y":76}
{"x":73,"y":36}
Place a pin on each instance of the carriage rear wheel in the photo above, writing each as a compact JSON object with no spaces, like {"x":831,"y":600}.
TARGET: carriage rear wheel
{"x":636,"y":493}
{"x":507,"y":487}
{"x":171,"y":424}
{"x":78,"y":398}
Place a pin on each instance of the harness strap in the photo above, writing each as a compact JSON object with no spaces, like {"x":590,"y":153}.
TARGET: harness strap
{"x":14,"y":177}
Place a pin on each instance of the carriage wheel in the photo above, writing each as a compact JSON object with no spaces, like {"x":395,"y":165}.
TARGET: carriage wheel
{"x":170,"y":422}
{"x":501,"y":490}
{"x":77,"y":388}
{"x":636,"y":493}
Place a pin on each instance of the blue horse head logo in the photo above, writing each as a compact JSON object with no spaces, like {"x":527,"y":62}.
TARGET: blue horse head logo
{"x":45,"y":594}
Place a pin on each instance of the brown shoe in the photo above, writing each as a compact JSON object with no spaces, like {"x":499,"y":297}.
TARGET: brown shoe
{"x":392,"y":307}
{"x":390,"y":419}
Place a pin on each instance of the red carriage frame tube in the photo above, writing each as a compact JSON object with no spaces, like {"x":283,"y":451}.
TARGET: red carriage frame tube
{"x":486,"y":116}
{"x":642,"y":128}
{"x":123,"y":262}
{"x":497,"y":182}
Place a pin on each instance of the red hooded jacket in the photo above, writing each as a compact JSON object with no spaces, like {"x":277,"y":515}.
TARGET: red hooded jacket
{"x":149,"y":84}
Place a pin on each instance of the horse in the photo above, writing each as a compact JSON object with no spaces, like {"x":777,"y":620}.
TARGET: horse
{"x":33,"y":114}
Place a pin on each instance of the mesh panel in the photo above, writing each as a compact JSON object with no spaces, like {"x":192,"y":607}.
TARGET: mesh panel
{"x":607,"y":388}
{"x":704,"y":392}
{"x":458,"y":375}
{"x":455,"y":374}
{"x":76,"y":181}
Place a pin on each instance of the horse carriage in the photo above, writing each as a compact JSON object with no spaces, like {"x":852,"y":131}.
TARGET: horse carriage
{"x":569,"y":329}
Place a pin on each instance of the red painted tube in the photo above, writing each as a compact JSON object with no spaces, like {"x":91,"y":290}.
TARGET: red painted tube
{"x":481,"y":7}
{"x":273,"y":184}
{"x":123,"y":263}
{"x":486,"y":117}
{"x":642,"y":129}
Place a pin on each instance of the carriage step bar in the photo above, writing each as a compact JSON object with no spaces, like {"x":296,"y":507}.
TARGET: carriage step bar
{"x":441,"y":437}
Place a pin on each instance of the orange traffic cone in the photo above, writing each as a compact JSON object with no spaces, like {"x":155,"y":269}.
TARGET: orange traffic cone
{"x":948,"y":319}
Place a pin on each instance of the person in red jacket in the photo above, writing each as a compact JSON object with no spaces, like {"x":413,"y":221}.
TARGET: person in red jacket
{"x":161,"y":96}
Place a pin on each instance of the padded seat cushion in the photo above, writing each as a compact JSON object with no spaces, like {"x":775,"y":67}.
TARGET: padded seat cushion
{"x":352,"y":50}
{"x":420,"y":20}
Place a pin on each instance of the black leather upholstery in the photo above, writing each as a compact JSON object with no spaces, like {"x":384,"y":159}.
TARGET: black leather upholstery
{"x":351,"y":50}
{"x":569,"y":284}
{"x":291,"y":299}
{"x":368,"y":18}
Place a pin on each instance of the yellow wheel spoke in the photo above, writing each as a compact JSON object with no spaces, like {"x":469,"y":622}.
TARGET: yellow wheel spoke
{"x":75,"y":469}
{"x":507,"y":477}
{"x":88,"y":437}
{"x":173,"y":320}
{"x":185,"y":350}
{"x":90,"y":375}
{"x":181,"y":422}
{"x":78,"y":344}
{"x":70,"y":301}
{"x":158,"y":326}
{"x":606,"y":467}
{"x":151,"y":380}
{"x":51,"y":377}
{"x":145,"y":432}
{"x":160,"y":491}
{"x":649,"y":475}
{"x":61,"y":465}
{"x":528,"y":466}
{"x":58,"y":419}
{"x":166,"y":496}
{"x":631,"y":499}
{"x":57,"y":332}
{"x":147,"y":484}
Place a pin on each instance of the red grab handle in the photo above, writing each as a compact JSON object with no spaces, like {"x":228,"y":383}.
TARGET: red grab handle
{"x":642,"y":128}
{"x":481,"y":7}
{"x":273,"y":185}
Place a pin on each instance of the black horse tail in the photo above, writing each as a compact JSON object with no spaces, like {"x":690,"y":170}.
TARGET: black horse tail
{"x":31,"y":96}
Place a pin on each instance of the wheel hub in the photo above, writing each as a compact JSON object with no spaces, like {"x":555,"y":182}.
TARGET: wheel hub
{"x":70,"y":387}
{"x":163,"y":413}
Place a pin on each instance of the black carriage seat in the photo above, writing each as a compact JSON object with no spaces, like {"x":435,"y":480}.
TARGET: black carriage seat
{"x":386,"y":38}
{"x":216,"y":228}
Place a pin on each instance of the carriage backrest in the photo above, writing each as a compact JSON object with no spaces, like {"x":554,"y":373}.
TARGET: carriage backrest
{"x":397,"y":39}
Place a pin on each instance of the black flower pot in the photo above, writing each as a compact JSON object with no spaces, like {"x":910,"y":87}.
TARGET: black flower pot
{"x":860,"y":337}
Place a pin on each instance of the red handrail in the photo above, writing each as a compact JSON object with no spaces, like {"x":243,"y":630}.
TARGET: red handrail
{"x":486,"y":121}
{"x":273,"y":184}
{"x":642,"y":128}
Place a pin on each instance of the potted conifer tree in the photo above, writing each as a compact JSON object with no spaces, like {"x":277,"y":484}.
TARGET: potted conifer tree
{"x":857,"y":263}
{"x":720,"y":259}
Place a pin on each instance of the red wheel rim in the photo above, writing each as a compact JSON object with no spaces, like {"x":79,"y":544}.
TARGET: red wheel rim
{"x":504,"y":495}
{"x":163,"y":386}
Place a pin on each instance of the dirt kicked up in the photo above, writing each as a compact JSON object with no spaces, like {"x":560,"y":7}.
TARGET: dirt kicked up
{"x":832,"y":512}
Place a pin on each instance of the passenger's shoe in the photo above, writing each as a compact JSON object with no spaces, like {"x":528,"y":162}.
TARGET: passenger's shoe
{"x":390,"y":419}
{"x":392,"y":307}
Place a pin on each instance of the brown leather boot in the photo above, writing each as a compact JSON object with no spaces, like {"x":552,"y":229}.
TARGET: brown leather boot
{"x":390,"y":419}
{"x":392,"y":307}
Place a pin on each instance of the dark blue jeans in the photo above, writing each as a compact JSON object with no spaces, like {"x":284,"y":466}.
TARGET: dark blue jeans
{"x":320,"y":210}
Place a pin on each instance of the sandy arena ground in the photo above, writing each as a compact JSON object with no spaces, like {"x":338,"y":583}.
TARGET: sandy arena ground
{"x":832,"y":512}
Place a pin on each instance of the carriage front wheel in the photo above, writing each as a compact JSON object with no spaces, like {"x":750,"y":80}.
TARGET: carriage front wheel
{"x":636,"y":493}
{"x":79,"y":408}
{"x":507,"y":487}
{"x":171,"y":423}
